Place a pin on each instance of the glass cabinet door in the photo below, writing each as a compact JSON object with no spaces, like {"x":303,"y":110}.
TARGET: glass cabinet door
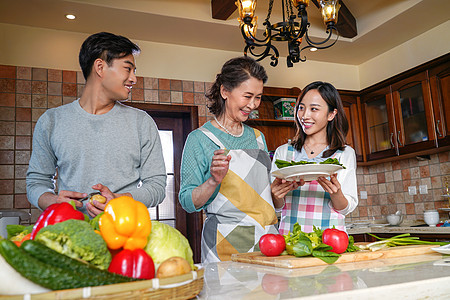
{"x":378,"y":125}
{"x":413,"y":114}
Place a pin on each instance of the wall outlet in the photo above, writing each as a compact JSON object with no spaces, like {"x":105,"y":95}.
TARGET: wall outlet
{"x":412,"y":190}
{"x":423,"y":189}
{"x":363,"y":194}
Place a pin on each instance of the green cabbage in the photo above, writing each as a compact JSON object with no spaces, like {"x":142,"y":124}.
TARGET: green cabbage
{"x":165,"y":242}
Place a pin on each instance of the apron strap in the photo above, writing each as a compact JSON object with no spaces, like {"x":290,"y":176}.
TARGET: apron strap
{"x":290,"y":154}
{"x":259,"y":139}
{"x":212,"y":137}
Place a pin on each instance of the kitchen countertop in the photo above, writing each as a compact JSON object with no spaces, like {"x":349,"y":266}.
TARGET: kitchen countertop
{"x":411,"y":277}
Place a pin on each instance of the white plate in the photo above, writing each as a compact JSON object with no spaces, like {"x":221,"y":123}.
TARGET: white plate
{"x":307,"y":172}
{"x":443,"y":249}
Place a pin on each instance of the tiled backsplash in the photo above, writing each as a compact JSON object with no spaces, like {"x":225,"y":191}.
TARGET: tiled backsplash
{"x":26,"y":93}
{"x":387,"y":185}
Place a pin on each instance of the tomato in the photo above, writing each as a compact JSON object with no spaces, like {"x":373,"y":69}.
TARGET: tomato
{"x":272,"y":244}
{"x":343,"y":282}
{"x":335,"y":238}
{"x":274,"y":284}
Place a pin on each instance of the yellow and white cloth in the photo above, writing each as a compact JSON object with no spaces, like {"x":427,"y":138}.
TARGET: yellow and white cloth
{"x":243,"y":210}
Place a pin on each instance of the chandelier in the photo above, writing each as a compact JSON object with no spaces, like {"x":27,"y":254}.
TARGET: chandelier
{"x":288,"y":30}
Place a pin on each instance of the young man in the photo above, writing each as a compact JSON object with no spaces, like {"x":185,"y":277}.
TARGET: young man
{"x":96,"y":143}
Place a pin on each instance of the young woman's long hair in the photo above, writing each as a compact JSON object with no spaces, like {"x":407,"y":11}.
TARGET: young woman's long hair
{"x":336,"y":129}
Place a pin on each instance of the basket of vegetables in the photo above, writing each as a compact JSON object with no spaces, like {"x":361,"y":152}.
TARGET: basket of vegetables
{"x":120,"y":254}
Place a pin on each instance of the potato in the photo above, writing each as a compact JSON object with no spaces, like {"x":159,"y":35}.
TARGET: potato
{"x":173,"y":266}
{"x":98,"y":198}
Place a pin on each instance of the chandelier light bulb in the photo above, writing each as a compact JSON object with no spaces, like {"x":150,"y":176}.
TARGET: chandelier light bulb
{"x":70,"y":17}
{"x":246,"y":9}
{"x":293,"y":31}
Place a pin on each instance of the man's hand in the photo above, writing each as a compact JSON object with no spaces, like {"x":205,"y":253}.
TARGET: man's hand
{"x":96,"y":207}
{"x":48,"y":198}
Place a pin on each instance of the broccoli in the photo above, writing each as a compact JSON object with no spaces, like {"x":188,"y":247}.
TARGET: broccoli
{"x":76,"y":239}
{"x":17,"y":232}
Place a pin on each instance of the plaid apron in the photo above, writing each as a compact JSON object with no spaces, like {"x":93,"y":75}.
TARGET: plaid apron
{"x":243,"y":210}
{"x":309,"y":205}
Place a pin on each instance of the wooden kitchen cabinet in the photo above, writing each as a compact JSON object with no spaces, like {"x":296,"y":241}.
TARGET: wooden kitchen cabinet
{"x":440,"y":94}
{"x":354,"y":138}
{"x":398,"y":118}
{"x":276,"y":132}
{"x":378,"y":118}
{"x":413,"y":114}
{"x":408,"y":114}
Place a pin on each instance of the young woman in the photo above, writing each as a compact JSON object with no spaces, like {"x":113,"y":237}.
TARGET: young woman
{"x":232,"y":187}
{"x":321,"y":131}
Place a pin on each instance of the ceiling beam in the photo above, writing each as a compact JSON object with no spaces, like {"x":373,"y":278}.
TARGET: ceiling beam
{"x":222,"y":9}
{"x":346,"y":25}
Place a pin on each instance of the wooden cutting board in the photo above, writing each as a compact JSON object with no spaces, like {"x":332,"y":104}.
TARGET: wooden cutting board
{"x":292,"y":262}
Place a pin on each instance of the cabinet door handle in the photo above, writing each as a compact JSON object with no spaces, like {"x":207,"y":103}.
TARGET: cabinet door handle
{"x":391,"y":140}
{"x":398,"y":139}
{"x":437,"y":128}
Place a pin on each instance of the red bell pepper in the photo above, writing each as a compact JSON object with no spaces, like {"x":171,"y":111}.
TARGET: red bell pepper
{"x":133,"y":263}
{"x":56,"y":213}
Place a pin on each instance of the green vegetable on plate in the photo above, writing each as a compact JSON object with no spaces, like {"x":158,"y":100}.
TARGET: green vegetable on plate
{"x":283,"y":163}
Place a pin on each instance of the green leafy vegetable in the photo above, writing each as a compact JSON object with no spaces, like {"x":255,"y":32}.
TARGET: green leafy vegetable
{"x":283,"y":163}
{"x":351,"y":245}
{"x":332,"y":161}
{"x":94,"y":221}
{"x":299,"y":243}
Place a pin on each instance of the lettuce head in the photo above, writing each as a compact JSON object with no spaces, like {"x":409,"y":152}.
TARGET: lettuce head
{"x":165,"y":242}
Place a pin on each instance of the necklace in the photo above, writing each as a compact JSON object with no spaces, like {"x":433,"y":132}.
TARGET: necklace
{"x":227,"y":131}
{"x":312,"y":151}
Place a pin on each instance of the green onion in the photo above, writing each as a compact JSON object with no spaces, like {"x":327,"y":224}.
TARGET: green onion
{"x":398,"y":240}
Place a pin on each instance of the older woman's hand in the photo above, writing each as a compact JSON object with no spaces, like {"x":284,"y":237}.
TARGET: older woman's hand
{"x":219,"y":165}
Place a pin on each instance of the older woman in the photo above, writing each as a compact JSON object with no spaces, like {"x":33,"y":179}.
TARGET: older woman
{"x":225,"y":166}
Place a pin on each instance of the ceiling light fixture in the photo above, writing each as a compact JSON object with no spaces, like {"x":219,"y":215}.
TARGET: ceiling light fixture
{"x":288,"y":30}
{"x":70,"y":17}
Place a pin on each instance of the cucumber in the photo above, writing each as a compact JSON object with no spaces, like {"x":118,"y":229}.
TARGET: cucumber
{"x":45,"y":275}
{"x":56,"y":259}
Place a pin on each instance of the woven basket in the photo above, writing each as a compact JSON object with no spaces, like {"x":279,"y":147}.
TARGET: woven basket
{"x":185,"y":286}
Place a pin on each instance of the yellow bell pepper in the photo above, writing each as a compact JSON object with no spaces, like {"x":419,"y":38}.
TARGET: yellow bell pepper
{"x":125,"y":223}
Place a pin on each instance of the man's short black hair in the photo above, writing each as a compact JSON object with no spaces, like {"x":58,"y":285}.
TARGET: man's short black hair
{"x":106,"y":46}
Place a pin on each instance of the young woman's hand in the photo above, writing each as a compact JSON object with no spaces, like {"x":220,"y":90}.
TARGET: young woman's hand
{"x":333,"y":187}
{"x":280,"y":187}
